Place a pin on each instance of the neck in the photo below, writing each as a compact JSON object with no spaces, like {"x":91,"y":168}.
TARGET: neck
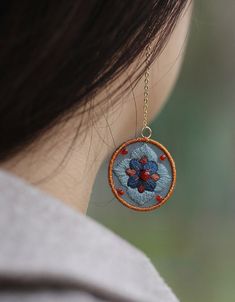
{"x":63,"y":166}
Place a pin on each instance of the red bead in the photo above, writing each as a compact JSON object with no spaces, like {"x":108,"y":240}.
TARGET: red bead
{"x":159,"y":198}
{"x":163,"y":157}
{"x":124,"y":151}
{"x":141,"y":188}
{"x":144,"y":175}
{"x":120,"y":191}
{"x":143,"y":160}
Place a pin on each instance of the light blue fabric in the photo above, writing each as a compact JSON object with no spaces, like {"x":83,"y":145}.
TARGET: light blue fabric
{"x":144,"y":150}
{"x":164,"y":180}
{"x":140,"y":198}
{"x":120,"y":171}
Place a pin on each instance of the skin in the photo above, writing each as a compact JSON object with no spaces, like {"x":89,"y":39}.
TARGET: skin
{"x":71,"y":179}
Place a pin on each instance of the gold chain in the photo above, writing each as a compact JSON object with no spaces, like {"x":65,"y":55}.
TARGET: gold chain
{"x":146,"y":130}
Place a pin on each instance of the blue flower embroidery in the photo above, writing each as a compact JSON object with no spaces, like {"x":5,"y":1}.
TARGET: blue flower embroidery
{"x":142,"y":175}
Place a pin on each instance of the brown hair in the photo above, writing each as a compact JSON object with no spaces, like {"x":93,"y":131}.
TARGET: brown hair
{"x":55,"y":55}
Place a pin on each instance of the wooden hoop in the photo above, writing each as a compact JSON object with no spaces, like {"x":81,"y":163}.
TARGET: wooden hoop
{"x":111,"y":181}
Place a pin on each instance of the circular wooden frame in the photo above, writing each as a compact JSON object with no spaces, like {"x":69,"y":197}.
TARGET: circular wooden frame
{"x":111,"y":181}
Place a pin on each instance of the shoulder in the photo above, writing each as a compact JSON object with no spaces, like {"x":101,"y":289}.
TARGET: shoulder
{"x":45,"y":242}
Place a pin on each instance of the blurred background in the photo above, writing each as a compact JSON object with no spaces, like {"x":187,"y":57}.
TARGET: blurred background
{"x":191,"y":239}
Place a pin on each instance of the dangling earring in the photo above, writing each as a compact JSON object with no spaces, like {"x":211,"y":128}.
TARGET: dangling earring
{"x":142,"y":173}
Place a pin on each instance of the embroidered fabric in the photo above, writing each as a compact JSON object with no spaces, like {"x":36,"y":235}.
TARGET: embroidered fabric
{"x":132,"y":183}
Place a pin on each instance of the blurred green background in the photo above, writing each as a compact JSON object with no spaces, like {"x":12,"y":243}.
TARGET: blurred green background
{"x":191,"y":239}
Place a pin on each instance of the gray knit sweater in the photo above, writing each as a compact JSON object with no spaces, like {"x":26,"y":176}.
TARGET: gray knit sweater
{"x":49,"y":252}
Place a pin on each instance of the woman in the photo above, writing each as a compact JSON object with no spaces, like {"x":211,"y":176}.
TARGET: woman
{"x":71,"y":90}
